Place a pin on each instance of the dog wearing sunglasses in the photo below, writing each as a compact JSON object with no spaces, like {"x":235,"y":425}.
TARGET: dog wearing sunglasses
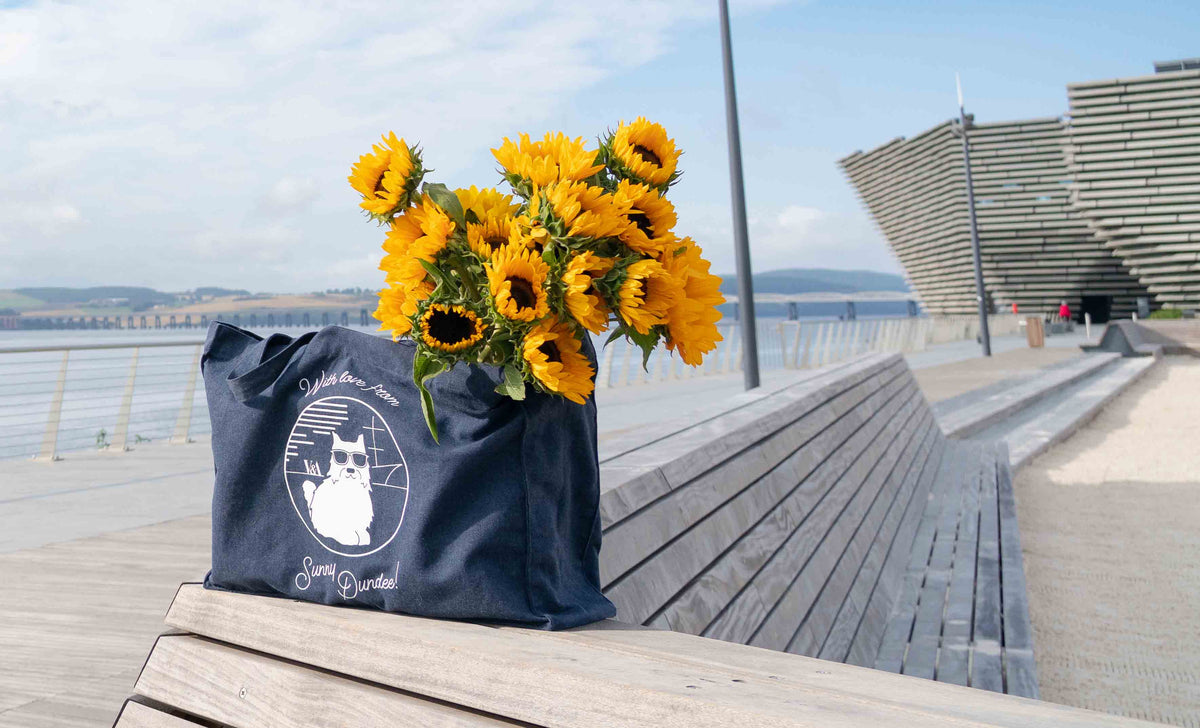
{"x":340,"y":505}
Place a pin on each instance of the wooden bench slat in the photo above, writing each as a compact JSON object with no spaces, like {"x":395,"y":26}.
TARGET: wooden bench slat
{"x":863,"y":519}
{"x":850,"y":615}
{"x":600,"y":675}
{"x":136,"y":715}
{"x":885,"y":591}
{"x":809,"y":520}
{"x":634,"y":539}
{"x":244,"y":689}
{"x":649,"y":587}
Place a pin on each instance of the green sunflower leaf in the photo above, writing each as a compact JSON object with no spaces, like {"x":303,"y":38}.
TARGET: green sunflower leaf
{"x":448,"y":201}
{"x":513,"y":385}
{"x":426,"y":368}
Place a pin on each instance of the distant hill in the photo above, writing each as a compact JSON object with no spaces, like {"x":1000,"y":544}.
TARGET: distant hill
{"x":819,"y":280}
{"x":138,"y":298}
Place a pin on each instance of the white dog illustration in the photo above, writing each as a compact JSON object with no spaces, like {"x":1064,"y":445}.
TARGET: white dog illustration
{"x":340,"y":505}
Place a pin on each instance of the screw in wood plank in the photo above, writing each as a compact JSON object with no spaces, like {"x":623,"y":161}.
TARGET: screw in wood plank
{"x":242,"y":693}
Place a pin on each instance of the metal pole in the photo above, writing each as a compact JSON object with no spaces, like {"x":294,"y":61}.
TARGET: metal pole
{"x":741,"y":237}
{"x":984,"y":335}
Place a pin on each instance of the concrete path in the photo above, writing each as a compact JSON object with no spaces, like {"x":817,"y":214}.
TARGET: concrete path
{"x":1112,"y":553}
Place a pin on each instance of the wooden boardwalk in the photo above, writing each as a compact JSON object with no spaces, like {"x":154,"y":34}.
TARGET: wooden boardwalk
{"x":79,"y":618}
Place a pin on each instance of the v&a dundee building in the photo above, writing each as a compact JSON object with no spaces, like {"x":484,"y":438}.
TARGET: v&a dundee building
{"x":1098,"y":207}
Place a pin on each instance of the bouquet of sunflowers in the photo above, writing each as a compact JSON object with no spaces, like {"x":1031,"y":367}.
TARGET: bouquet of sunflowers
{"x":585,"y":242}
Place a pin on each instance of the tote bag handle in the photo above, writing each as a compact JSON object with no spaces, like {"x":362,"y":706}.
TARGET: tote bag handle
{"x":253,"y":382}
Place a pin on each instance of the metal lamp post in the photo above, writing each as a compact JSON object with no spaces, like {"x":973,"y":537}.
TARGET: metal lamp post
{"x":741,"y":237}
{"x":984,"y":334}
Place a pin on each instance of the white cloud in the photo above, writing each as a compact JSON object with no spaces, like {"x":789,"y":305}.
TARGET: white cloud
{"x":795,"y":236}
{"x":184,"y":144}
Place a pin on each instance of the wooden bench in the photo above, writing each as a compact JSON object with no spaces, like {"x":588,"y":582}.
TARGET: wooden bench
{"x":827,"y":517}
{"x":802,"y":519}
{"x":258,"y":662}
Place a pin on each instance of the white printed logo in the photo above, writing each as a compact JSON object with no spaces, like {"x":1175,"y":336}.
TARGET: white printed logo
{"x":346,"y":476}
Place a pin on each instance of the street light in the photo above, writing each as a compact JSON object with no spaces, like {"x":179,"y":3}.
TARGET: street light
{"x":984,"y":336}
{"x":741,"y":237}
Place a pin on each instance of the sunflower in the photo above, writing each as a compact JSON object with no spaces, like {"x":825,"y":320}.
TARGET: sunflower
{"x":557,"y":157}
{"x":585,"y":304}
{"x":650,"y":215}
{"x":387,"y":178}
{"x":397,"y":304}
{"x":588,"y":211}
{"x":643,"y":152}
{"x":485,"y":203}
{"x":421,"y":232}
{"x":450,"y":328}
{"x":647,"y":294}
{"x":692,"y":320}
{"x":490,"y":234}
{"x":551,"y":350}
{"x":516,"y":278}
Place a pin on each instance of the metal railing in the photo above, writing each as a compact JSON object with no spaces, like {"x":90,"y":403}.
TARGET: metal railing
{"x":56,"y":399}
{"x":104,"y":396}
{"x":798,"y":345}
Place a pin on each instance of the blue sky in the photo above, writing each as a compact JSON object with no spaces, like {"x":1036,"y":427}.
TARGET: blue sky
{"x":175,"y":146}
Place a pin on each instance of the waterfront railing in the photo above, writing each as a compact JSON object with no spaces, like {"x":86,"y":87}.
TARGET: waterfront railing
{"x":110,"y":396}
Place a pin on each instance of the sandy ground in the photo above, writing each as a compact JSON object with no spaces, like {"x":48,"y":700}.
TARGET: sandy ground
{"x":1110,"y":529}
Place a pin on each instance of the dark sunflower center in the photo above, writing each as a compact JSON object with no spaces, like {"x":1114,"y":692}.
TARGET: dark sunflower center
{"x":643,"y":223}
{"x":521,"y":292}
{"x":551,"y":351}
{"x":379,"y":182}
{"x":495,"y":242}
{"x":450,"y":327}
{"x":647,"y":155}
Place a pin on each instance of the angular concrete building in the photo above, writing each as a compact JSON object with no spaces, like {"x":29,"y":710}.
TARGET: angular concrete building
{"x":1099,"y":208}
{"x":1134,"y":163}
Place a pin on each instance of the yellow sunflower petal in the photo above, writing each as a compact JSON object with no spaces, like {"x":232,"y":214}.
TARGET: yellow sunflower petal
{"x":553,"y":355}
{"x":516,"y":279}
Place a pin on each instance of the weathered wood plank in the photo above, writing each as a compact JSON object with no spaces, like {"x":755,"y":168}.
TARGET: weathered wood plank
{"x":645,"y":590}
{"x":953,"y":656}
{"x":1020,"y":668}
{"x":854,"y":609}
{"x":244,"y":689}
{"x":600,"y":675}
{"x":136,"y":715}
{"x":781,"y":566}
{"x":797,"y":486}
{"x":638,"y":438}
{"x":864,"y":519}
{"x":632,"y":540}
{"x":885,"y":593}
{"x":832,"y":533}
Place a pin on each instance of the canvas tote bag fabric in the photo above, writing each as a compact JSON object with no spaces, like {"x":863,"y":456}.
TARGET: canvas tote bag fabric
{"x":329,"y":487}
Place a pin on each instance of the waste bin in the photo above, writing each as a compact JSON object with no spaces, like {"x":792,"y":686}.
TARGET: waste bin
{"x":1035,"y":332}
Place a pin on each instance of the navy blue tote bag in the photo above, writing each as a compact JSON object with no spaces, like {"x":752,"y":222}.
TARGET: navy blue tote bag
{"x":329,"y":487}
